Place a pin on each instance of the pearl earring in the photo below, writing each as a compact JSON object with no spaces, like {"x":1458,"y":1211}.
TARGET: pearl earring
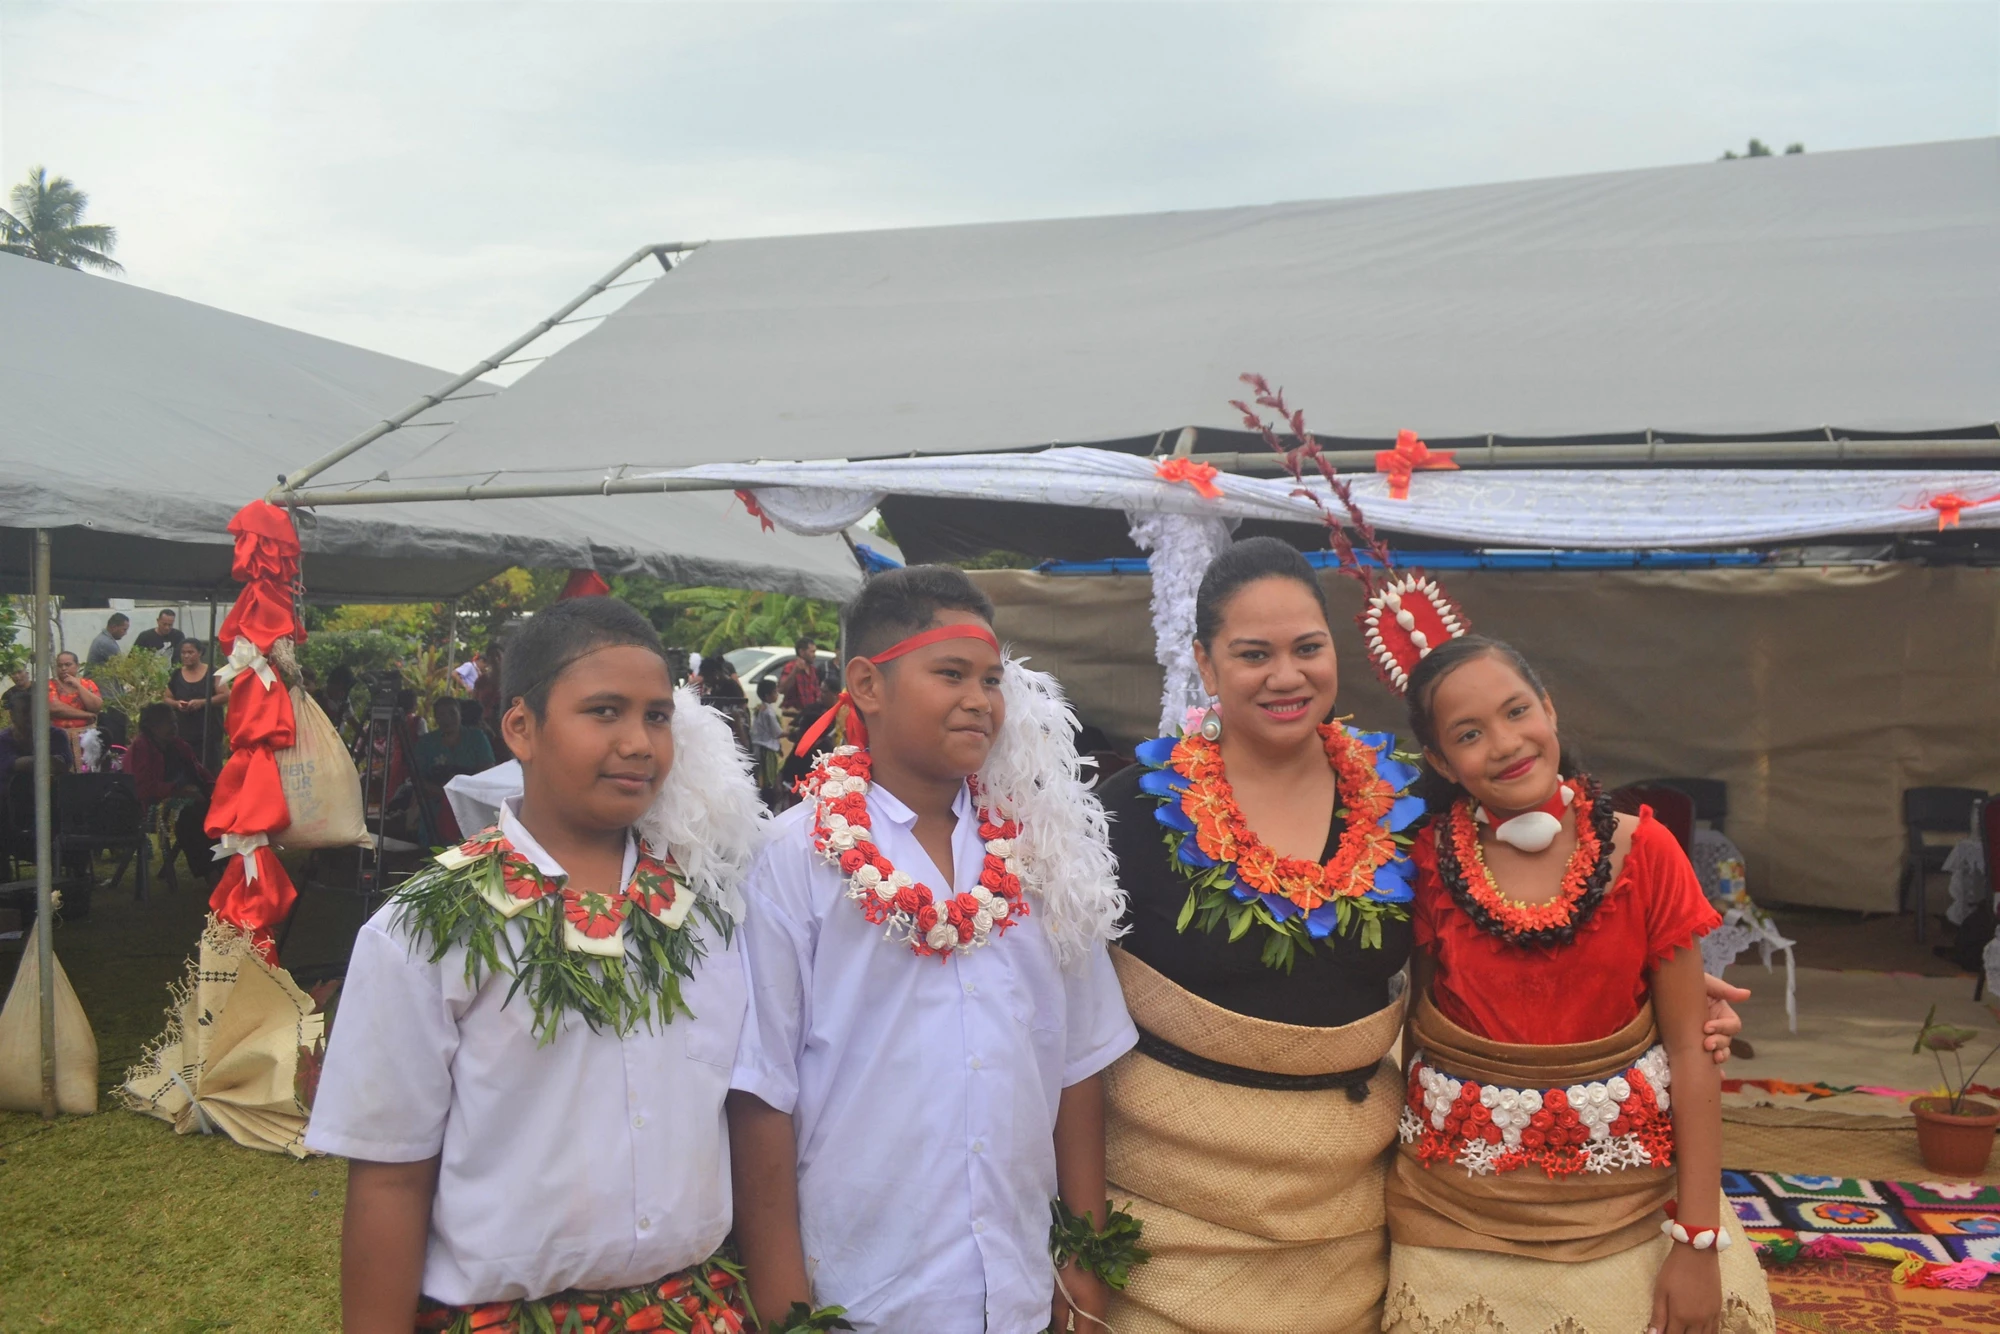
{"x":1211,"y":725}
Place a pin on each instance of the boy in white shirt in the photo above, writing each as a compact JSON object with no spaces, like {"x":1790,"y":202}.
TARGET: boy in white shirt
{"x":533,"y":1045}
{"x":932,"y":1004}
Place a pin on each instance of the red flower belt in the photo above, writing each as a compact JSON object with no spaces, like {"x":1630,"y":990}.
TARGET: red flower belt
{"x":1603,"y":1126}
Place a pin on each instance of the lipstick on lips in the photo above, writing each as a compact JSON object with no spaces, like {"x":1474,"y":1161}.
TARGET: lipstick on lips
{"x":1518,"y":770}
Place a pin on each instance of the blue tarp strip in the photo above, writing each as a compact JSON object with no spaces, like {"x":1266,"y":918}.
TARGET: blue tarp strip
{"x":1473,"y":560}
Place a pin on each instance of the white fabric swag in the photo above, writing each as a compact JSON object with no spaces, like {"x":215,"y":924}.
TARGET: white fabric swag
{"x":1567,"y":508}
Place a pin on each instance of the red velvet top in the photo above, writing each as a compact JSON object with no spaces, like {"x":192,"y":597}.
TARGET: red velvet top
{"x":1587,"y":989}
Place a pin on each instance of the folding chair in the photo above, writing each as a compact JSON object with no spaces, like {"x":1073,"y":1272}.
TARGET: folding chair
{"x":96,"y":812}
{"x":1931,"y":810}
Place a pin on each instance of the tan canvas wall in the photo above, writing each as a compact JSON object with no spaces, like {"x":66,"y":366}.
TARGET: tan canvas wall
{"x":1818,"y":695}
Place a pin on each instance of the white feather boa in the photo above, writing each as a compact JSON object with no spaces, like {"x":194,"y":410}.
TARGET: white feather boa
{"x":1033,"y":776}
{"x":707,"y":813}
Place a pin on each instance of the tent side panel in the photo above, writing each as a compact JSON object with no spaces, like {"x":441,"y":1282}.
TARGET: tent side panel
{"x":1818,"y":695}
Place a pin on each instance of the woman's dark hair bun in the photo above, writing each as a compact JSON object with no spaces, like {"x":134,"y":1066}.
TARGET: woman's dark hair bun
{"x":1243,"y":563}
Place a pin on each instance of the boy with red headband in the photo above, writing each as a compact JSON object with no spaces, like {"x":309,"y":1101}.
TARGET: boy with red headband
{"x":932,"y":1005}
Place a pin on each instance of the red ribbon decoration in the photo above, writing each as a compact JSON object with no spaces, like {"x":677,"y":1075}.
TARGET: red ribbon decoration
{"x":857,"y":731}
{"x":1200,"y":476}
{"x":1411,"y":455}
{"x":1950,"y":504}
{"x":248,"y":797}
{"x":749,"y":499}
{"x":584,"y":584}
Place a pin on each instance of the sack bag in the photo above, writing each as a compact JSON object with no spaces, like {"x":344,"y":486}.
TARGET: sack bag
{"x":21,"y":1043}
{"x":322,"y":786}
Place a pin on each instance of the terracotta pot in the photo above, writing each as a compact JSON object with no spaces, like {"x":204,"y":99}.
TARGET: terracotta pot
{"x":1955,"y":1145}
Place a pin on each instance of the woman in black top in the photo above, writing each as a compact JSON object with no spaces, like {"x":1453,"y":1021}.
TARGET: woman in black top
{"x":1251,"y":1126}
{"x":197,"y":705}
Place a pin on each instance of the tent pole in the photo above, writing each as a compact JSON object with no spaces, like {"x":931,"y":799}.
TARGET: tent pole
{"x":451,"y":644}
{"x":619,"y":486}
{"x":289,"y":482}
{"x":45,"y":943}
{"x":208,"y":727}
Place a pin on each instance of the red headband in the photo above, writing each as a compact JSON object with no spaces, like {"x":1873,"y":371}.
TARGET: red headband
{"x":857,"y":730}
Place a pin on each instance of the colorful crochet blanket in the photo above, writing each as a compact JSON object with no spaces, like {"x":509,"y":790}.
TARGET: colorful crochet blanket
{"x":1937,"y":1233}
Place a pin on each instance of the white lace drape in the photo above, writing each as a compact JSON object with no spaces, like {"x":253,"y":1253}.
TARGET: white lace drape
{"x":1179,"y":548}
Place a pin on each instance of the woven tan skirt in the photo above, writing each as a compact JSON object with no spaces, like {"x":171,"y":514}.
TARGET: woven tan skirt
{"x":1263,"y":1207}
{"x":1434,"y":1290}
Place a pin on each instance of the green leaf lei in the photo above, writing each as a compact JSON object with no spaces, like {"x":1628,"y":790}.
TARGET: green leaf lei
{"x":455,"y":901}
{"x":1110,"y":1253}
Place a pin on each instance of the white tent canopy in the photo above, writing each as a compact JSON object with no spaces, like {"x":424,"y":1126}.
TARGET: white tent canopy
{"x":1845,"y":292}
{"x":138,"y":423}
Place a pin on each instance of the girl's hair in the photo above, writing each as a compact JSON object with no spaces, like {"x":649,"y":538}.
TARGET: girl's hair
{"x":554,"y":638}
{"x":896,"y":604}
{"x":155,"y":714}
{"x":1438,"y":791}
{"x":1243,"y":563}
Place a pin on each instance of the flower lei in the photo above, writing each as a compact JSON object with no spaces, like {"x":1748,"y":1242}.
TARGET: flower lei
{"x":837,"y":785}
{"x":571,"y":956}
{"x":1238,"y":880}
{"x":1462,"y":867}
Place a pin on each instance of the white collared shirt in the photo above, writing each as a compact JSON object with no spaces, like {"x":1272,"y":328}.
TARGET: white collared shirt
{"x":591,"y":1162}
{"x":923,"y":1093}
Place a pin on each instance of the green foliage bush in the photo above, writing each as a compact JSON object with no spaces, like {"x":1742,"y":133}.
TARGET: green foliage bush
{"x":361,"y":650}
{"x":132,"y":680}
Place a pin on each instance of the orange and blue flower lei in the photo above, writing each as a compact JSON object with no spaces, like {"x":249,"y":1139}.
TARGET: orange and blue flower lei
{"x":1240,"y":882}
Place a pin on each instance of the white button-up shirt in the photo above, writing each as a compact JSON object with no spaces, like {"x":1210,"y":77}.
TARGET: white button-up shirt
{"x":923,"y":1093}
{"x":591,"y":1162}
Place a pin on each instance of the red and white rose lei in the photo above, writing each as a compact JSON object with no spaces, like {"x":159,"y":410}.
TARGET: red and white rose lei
{"x":837,"y":785}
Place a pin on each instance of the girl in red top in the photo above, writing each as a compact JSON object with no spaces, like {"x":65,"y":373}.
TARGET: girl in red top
{"x":1546,"y":1173}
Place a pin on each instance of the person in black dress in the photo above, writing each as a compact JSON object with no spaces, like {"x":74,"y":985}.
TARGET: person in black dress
{"x":196,"y":702}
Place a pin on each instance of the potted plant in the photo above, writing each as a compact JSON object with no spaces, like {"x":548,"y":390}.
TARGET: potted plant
{"x":1954,"y":1132}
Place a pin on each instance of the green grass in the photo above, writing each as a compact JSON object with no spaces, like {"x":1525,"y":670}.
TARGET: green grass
{"x":114,"y":1222}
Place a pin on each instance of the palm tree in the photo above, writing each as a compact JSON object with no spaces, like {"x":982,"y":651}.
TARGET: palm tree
{"x":47,"y":224}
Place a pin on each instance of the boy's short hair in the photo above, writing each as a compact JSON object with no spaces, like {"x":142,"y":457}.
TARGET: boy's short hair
{"x":767,"y":689}
{"x":896,"y":604}
{"x":557,"y":636}
{"x":154,"y":714}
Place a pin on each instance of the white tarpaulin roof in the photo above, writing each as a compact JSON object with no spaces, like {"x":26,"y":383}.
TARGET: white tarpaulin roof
{"x":136,"y":424}
{"x":1852,"y":290}
{"x":1582,"y":508}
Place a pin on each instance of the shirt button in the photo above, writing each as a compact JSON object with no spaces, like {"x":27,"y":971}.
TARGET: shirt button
{"x":971,"y":990}
{"x":638,"y":1123}
{"x":645,"y":1224}
{"x":979,"y":1146}
{"x":979,"y":1229}
{"x":975,"y":1063}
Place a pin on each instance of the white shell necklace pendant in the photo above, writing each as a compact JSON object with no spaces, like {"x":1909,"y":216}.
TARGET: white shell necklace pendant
{"x":1532,"y":831}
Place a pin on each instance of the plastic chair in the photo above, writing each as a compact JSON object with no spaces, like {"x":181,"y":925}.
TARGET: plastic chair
{"x":1931,"y":810}
{"x":1710,"y":796}
{"x":1671,"y":807}
{"x":102,"y":811}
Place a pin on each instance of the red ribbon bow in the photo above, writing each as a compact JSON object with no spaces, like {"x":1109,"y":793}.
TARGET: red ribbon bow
{"x":1950,"y":504}
{"x":1411,"y":455}
{"x":1200,"y":476}
{"x":749,"y":499}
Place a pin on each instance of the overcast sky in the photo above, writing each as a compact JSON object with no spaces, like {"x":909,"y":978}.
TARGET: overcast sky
{"x":429,"y":179}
